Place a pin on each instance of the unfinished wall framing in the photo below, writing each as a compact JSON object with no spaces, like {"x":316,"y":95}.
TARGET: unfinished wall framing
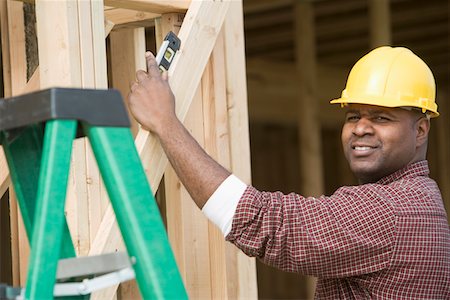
{"x":208,"y":80}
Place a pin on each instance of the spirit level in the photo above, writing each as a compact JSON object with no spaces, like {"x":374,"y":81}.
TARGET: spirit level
{"x":166,"y":53}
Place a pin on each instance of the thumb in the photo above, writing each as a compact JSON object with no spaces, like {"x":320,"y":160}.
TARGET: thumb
{"x":152,"y":65}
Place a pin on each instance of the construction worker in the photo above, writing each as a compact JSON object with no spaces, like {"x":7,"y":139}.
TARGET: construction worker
{"x":387,"y":238}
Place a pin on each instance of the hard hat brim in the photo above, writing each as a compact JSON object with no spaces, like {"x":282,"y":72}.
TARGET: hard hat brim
{"x":379,"y":101}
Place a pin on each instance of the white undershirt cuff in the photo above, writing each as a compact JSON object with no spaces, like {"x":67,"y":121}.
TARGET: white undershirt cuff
{"x":222,"y":204}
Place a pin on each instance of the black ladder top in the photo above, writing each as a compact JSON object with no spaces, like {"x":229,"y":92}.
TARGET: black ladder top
{"x":95,"y":107}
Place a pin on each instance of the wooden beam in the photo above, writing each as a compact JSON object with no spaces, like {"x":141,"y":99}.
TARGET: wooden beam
{"x":186,"y":227}
{"x":309,"y":127}
{"x":153,"y":6}
{"x":198,"y":35}
{"x":333,"y":8}
{"x":15,"y":78}
{"x":443,"y":147}
{"x":242,"y":269}
{"x":184,"y":77}
{"x":380,"y":23}
{"x":164,"y":24}
{"x":5,"y":180}
{"x":273,"y":96}
{"x":197,"y":41}
{"x":421,"y":32}
{"x":269,"y":19}
{"x":33,"y":83}
{"x":217,"y":144}
{"x":109,"y":25}
{"x":128,"y":18}
{"x":6,"y":60}
{"x":127,"y":46}
{"x":351,"y":26}
{"x":6,"y":68}
{"x":72,"y":54}
{"x":59,"y":48}
{"x":405,"y":15}
{"x":17,"y":55}
{"x":258,"y":6}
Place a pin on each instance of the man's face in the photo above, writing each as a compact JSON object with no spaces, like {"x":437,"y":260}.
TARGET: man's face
{"x":378,"y":141}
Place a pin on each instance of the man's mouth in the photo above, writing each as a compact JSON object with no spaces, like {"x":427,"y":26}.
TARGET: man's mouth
{"x":359,"y":150}
{"x":362,"y":148}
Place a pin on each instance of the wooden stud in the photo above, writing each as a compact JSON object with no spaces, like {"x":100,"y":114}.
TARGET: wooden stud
{"x":308,"y":125}
{"x":311,"y":169}
{"x":5,"y":180}
{"x":6,"y":60}
{"x":443,"y":147}
{"x":91,"y":206}
{"x":72,"y":54}
{"x":186,"y":225}
{"x":217,"y":144}
{"x":380,"y":23}
{"x":197,"y":43}
{"x":32,"y":84}
{"x":124,"y":18}
{"x":15,"y":78}
{"x":127,"y":56}
{"x":244,"y":270}
{"x":164,"y":24}
{"x":17,"y":53}
{"x":59,"y":46}
{"x":182,"y":226}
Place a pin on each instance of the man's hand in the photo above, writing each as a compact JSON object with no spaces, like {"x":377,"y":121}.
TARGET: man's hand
{"x":151,"y":100}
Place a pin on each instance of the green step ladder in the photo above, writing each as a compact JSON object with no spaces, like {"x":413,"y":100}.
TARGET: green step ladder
{"x":37,"y":131}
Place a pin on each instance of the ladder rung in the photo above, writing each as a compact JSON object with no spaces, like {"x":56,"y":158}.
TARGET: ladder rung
{"x":88,"y":286}
{"x":85,"y":287}
{"x":92,"y":265}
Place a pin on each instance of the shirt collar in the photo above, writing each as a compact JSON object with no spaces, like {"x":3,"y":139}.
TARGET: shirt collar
{"x":419,"y":168}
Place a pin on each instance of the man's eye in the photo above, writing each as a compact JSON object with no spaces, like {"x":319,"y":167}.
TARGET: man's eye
{"x":382,"y":119}
{"x":352,"y":118}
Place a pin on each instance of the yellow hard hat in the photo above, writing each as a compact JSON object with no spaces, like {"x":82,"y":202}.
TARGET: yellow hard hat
{"x":391,"y":77}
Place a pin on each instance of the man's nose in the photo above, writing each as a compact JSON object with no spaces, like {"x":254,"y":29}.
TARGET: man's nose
{"x":362,"y":127}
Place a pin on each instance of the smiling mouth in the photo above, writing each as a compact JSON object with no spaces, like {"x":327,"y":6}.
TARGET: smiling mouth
{"x":362,"y":148}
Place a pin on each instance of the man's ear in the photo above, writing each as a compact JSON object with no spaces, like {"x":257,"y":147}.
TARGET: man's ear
{"x":422,"y":130}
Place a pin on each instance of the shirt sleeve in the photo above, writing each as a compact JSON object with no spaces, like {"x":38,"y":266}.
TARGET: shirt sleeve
{"x":221,"y":206}
{"x":347,"y":234}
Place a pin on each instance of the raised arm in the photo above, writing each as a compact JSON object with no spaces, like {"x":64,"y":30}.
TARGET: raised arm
{"x":152,"y":103}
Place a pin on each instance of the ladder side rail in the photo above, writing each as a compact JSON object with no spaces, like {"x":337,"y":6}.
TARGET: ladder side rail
{"x":136,"y":211}
{"x":50,"y":202}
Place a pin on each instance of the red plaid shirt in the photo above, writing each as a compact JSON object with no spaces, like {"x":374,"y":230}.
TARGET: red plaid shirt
{"x":387,"y":240}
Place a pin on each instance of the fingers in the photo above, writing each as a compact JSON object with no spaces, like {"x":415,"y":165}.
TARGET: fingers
{"x":133,"y":86}
{"x":165,"y":76}
{"x":152,"y":66}
{"x":152,"y":69}
{"x":141,"y":75}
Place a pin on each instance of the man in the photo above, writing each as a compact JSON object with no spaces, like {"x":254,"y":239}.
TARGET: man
{"x":387,"y":238}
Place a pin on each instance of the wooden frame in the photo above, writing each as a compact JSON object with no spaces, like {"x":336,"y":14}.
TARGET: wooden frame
{"x":208,"y":80}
